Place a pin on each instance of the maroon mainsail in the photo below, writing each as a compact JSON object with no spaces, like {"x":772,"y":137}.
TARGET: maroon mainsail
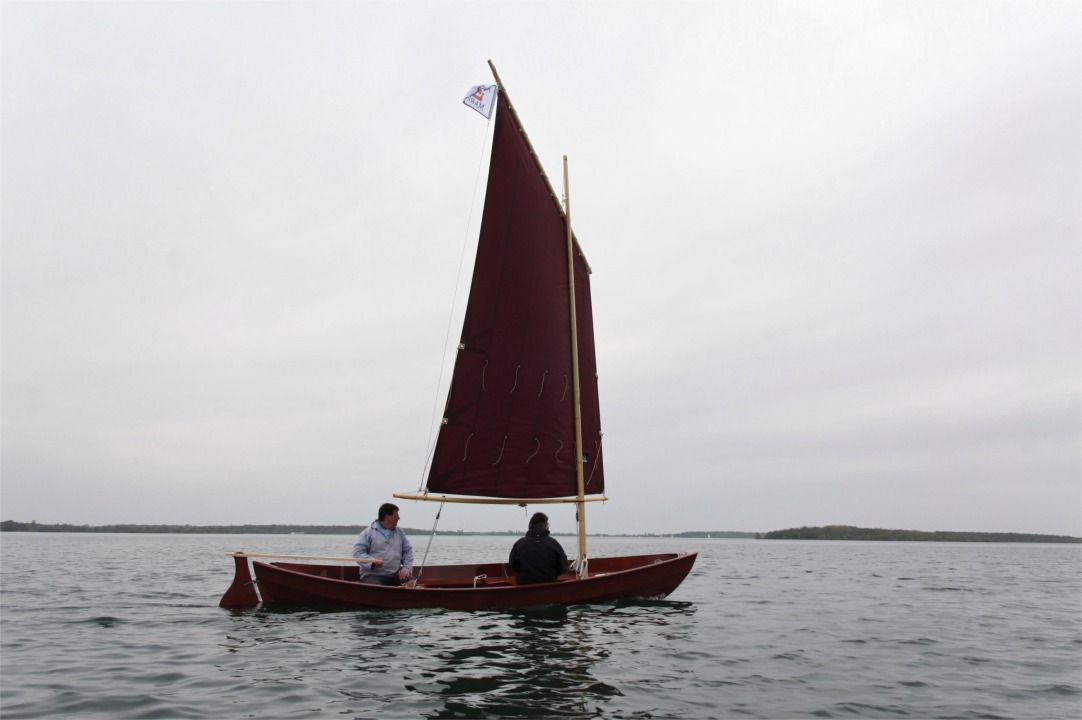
{"x":508,"y":429}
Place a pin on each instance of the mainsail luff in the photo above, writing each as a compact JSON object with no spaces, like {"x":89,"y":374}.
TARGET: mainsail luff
{"x":508,"y":430}
{"x":537,"y":160}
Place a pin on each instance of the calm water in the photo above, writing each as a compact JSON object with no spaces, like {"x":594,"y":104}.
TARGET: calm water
{"x":127,"y":626}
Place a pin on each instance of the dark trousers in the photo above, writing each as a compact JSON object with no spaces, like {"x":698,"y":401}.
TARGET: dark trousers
{"x":392,"y":579}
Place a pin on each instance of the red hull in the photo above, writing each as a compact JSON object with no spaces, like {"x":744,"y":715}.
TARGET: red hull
{"x":460,"y":587}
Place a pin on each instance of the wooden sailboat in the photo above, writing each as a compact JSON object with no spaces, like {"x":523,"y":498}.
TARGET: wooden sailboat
{"x":522,"y":422}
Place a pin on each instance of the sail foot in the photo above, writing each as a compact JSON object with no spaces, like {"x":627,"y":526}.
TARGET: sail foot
{"x":483,"y":500}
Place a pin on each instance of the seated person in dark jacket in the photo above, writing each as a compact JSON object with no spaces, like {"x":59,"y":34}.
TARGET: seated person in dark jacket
{"x":537,"y":558}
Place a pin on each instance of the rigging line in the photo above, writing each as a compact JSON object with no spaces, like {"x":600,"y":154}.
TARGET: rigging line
{"x":501,"y":451}
{"x":431,"y":537}
{"x":537,"y":450}
{"x":597,"y":454}
{"x":451,"y":315}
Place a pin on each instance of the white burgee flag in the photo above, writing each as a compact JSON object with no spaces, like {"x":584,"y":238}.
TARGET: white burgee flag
{"x":481,"y":98}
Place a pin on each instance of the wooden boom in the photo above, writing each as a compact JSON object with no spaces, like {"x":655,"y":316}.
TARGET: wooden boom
{"x":375,"y":561}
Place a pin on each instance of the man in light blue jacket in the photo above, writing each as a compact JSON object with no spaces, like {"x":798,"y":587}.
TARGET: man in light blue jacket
{"x":385,"y":540}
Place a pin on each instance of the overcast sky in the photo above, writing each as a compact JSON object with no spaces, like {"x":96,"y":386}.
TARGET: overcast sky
{"x":837,"y":252}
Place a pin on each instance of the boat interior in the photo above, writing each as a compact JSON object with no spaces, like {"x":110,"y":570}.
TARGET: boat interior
{"x":480,"y":575}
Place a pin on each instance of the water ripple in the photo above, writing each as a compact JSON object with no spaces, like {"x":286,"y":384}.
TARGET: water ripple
{"x":760,"y":630}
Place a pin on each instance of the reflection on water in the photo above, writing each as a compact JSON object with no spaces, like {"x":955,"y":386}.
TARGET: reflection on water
{"x":526,"y":663}
{"x":531,"y":663}
{"x":535,"y":662}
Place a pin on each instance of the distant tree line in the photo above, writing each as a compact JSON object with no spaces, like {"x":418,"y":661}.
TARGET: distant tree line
{"x":33,"y":526}
{"x":13,"y":526}
{"x":848,"y":532}
{"x":702,"y":534}
{"x":828,"y":532}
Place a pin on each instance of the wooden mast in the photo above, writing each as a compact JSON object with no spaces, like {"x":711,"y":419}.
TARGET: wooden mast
{"x":580,"y":506}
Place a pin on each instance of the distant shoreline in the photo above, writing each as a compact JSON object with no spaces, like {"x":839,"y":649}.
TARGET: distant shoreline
{"x":848,"y":532}
{"x":14,"y":526}
{"x":829,"y":532}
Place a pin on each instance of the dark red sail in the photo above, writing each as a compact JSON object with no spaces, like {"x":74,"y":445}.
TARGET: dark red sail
{"x":508,"y":429}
